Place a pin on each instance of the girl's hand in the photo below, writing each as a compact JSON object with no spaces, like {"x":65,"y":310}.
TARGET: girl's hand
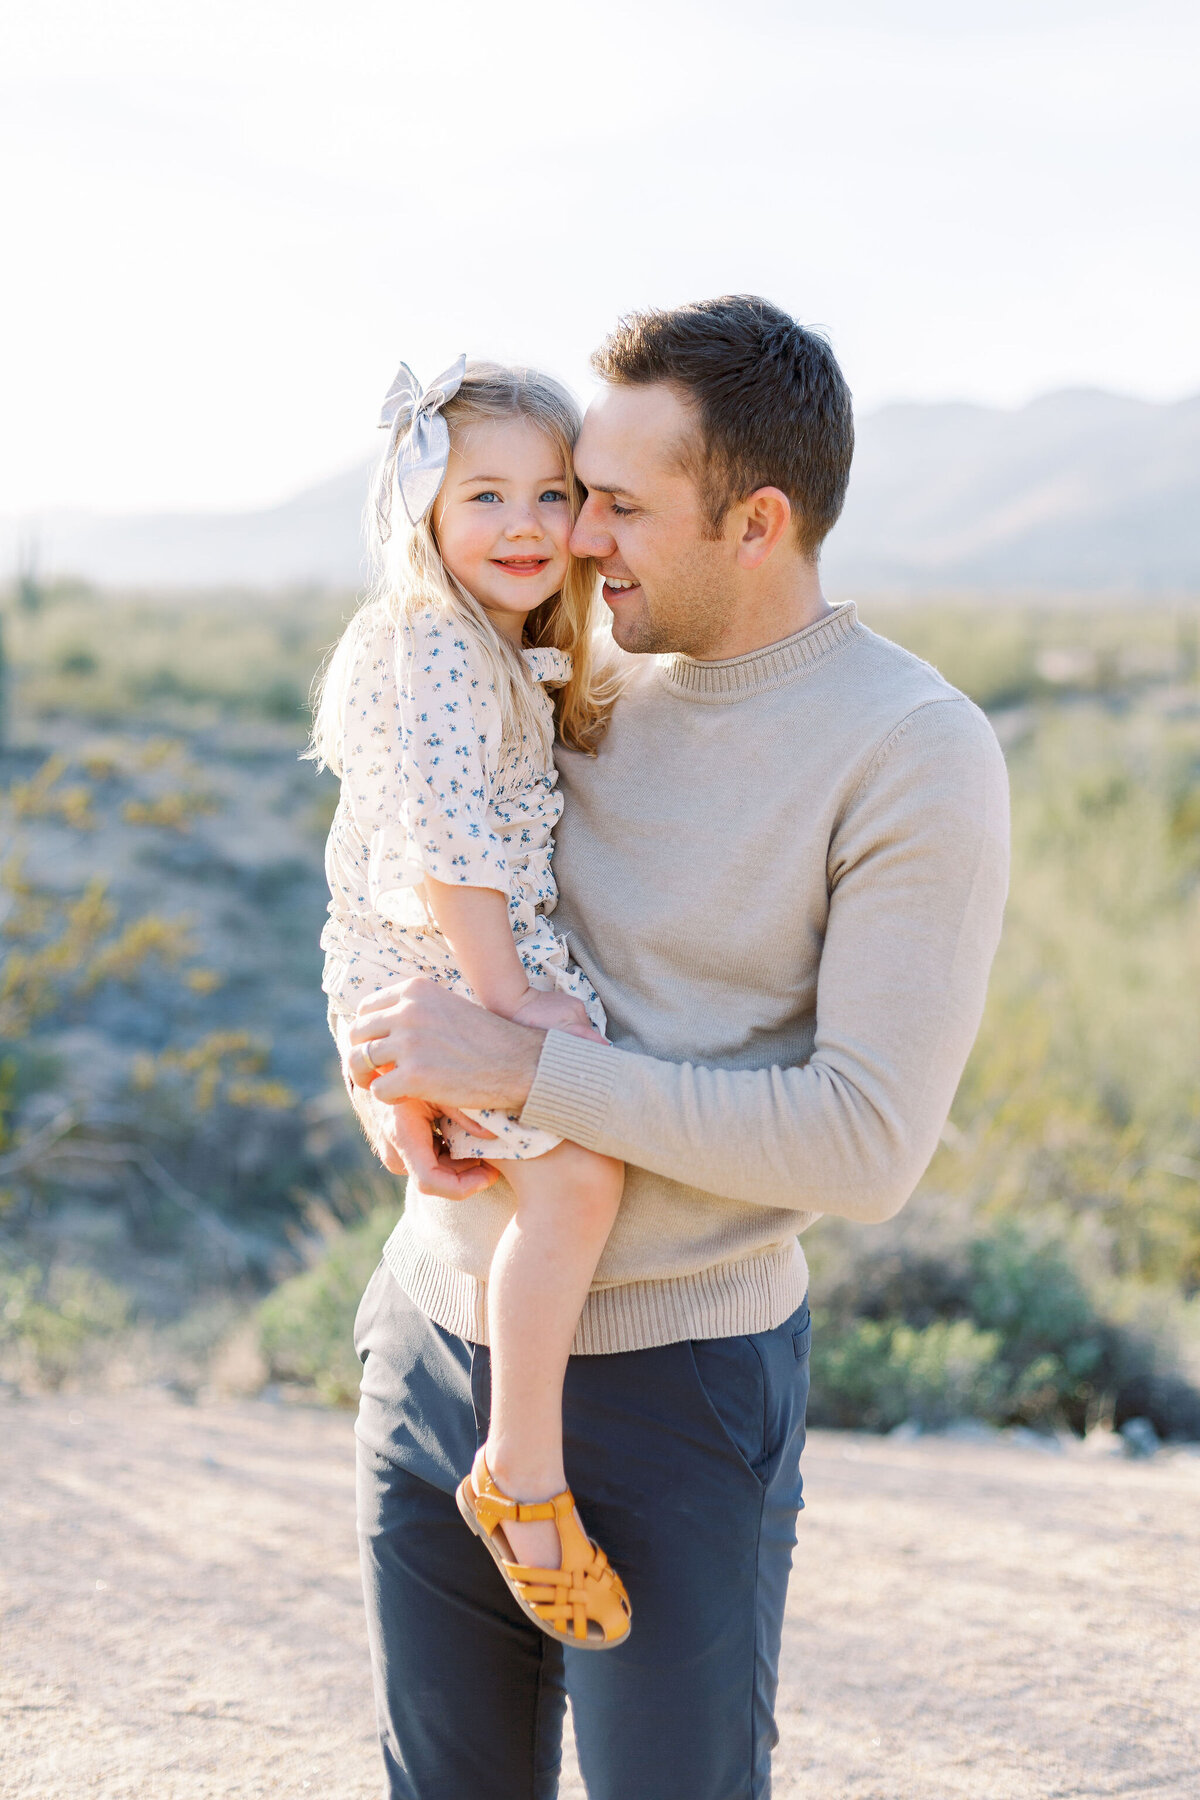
{"x":556,"y":1012}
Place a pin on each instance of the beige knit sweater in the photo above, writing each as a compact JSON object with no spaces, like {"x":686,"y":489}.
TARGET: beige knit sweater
{"x":784,"y":875}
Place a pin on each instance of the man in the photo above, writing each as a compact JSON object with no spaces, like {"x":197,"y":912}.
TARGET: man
{"x":784,"y":874}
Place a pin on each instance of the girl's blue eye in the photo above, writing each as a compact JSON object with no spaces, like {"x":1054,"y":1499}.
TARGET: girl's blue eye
{"x":552,"y":494}
{"x":488,"y":495}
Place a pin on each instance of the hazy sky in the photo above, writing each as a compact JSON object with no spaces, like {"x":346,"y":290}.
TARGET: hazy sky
{"x":226,"y":223}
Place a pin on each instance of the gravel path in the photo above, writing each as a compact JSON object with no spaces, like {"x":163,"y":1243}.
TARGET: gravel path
{"x":181,"y":1618}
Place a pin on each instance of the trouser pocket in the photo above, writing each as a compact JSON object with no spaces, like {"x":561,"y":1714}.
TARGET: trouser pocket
{"x":756,"y":1389}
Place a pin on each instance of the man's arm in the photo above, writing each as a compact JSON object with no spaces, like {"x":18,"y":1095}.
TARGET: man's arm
{"x":917,"y":874}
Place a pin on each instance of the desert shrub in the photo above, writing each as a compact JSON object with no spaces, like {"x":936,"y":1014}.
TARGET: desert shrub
{"x":48,"y":1319}
{"x":992,"y":653}
{"x":943,"y":1314}
{"x":1007,"y":653}
{"x":306,"y":1324}
{"x":45,"y":796}
{"x":227,"y":1132}
{"x":60,"y":948}
{"x":222,"y":1065}
{"x":173,"y":659}
{"x":76,"y":660}
{"x":173,"y":811}
{"x":1171,"y":1404}
{"x":224,"y":1134}
{"x":283,"y":699}
{"x":1057,"y":1358}
{"x":1080,"y":1093}
{"x":876,"y":1374}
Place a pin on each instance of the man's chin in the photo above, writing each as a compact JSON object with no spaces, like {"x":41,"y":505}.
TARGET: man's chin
{"x":635,"y":633}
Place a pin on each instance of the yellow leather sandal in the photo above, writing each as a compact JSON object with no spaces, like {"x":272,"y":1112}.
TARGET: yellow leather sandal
{"x":584,"y":1603}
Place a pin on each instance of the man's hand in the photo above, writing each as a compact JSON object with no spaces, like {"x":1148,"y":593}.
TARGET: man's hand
{"x":405,"y":1144}
{"x":429,"y":1044}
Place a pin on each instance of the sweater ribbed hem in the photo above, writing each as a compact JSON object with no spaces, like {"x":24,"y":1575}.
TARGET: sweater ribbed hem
{"x":451,"y":1298}
{"x":573,"y":1086}
{"x":761,"y":670}
{"x":731,"y":1300}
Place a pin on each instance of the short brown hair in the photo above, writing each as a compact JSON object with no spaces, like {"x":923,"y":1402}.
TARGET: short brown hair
{"x":772,"y":406}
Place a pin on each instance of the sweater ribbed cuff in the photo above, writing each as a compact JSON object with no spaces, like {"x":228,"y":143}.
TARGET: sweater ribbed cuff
{"x":572,"y":1088}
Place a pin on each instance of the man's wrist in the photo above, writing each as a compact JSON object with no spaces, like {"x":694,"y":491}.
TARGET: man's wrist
{"x":521,"y":1066}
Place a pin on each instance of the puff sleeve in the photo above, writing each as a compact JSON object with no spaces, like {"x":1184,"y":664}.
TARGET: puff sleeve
{"x":420,"y":762}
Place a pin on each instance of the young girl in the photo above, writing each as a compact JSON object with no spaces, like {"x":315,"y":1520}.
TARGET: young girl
{"x":435,"y":714}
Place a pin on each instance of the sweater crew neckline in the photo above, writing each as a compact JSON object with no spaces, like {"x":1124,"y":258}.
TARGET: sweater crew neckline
{"x":760,"y":670}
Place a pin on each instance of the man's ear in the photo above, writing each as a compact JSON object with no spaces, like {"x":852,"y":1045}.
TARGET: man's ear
{"x":764,"y":520}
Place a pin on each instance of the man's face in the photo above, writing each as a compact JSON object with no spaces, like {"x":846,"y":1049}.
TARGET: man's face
{"x":669,"y":584}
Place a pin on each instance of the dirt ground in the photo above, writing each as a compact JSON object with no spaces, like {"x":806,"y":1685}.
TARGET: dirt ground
{"x":181,"y":1617}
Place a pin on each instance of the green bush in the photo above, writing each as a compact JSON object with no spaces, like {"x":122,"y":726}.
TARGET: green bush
{"x":306,"y":1324}
{"x":48,"y":1319}
{"x":938,"y":1317}
{"x":1058,"y":1359}
{"x":114,"y":656}
{"x":876,"y":1374}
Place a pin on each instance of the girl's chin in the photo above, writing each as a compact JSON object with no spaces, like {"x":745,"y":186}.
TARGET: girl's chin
{"x":514,"y":603}
{"x":517,"y":596}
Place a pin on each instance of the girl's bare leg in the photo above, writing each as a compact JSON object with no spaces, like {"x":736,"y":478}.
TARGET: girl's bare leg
{"x":567,"y":1202}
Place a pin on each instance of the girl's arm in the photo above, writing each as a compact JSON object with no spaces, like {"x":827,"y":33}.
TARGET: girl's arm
{"x":474,"y":922}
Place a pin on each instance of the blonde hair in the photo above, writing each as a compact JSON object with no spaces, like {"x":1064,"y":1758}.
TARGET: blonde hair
{"x":409,"y":575}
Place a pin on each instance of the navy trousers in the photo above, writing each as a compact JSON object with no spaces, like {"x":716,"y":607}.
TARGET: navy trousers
{"x":685,"y":1461}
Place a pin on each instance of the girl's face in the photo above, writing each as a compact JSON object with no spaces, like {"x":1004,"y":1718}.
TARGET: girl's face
{"x":502,"y":518}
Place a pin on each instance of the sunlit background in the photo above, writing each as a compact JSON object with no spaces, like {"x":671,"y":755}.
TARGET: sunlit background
{"x":224,"y":226}
{"x":226,"y":223}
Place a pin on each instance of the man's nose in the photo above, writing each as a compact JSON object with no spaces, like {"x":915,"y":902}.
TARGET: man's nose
{"x":589,"y":535}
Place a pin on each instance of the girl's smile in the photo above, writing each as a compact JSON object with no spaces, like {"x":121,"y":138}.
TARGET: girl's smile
{"x":521,"y":565}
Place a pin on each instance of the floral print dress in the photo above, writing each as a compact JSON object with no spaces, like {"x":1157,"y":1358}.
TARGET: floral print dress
{"x":431,"y":786}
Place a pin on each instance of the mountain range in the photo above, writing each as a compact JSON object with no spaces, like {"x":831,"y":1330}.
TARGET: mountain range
{"x":1080,"y":490}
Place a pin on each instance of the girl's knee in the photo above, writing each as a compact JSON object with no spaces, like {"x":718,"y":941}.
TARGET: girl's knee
{"x":593,"y":1186}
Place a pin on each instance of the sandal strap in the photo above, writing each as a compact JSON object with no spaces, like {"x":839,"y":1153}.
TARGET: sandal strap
{"x":567,"y":1598}
{"x":493,"y":1506}
{"x":600,"y":1573}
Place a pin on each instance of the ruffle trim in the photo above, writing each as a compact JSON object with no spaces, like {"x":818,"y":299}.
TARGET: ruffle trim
{"x":548,"y":666}
{"x":397,"y":863}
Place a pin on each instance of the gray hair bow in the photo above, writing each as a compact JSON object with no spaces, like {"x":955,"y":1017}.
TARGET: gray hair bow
{"x":419,"y":444}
